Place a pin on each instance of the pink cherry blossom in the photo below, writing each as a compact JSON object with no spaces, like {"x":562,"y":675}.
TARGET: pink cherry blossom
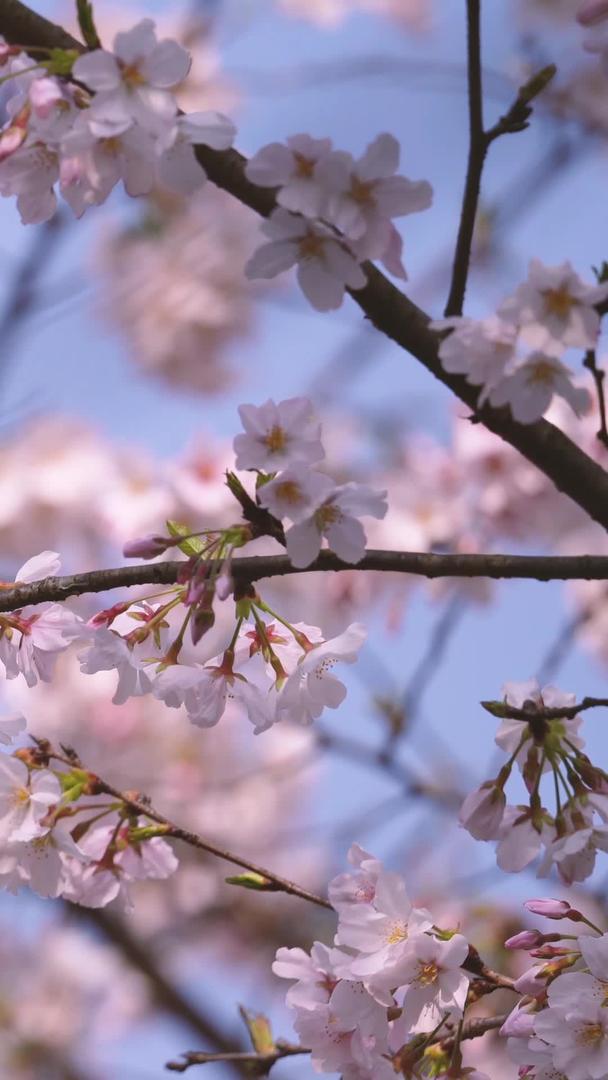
{"x":278,"y":435}
{"x":337,"y":518}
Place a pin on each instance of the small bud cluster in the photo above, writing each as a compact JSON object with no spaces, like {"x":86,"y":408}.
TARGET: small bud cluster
{"x":570,"y":835}
{"x":559,"y":1028}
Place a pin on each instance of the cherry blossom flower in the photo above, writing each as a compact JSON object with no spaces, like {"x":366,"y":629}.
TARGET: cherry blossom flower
{"x":366,"y":195}
{"x":43,"y":860}
{"x":293,"y":168}
{"x":592,"y":12}
{"x":325,"y":266}
{"x":436,"y":985}
{"x":529,"y":389}
{"x":295,"y":492}
{"x":315,"y":975}
{"x":132,"y":84}
{"x":108,"y":652}
{"x":337,"y":518}
{"x":24,"y":800}
{"x":350,"y":1027}
{"x":480,"y":349}
{"x":555,"y":309}
{"x":205,"y":692}
{"x":482,"y":811}
{"x":91,"y":166}
{"x":278,"y":435}
{"x":311,"y":687}
{"x":178,"y":169}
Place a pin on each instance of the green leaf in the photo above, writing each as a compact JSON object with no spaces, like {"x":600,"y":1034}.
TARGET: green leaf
{"x":259,"y":1030}
{"x":61,"y":61}
{"x":500,"y":709}
{"x":190,"y":547}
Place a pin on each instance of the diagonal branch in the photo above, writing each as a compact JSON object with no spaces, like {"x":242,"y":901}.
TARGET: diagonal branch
{"x":392,"y":313}
{"x":252,"y":568}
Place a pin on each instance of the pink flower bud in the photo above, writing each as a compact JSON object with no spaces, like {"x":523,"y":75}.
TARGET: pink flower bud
{"x":107,"y":616}
{"x":592,"y":12}
{"x":519,"y":1023}
{"x":147,"y":547}
{"x":551,"y":909}
{"x":526,"y":939}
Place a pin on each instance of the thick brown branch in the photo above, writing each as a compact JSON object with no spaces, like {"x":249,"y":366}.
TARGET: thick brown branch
{"x":392,"y":313}
{"x":257,"y":567}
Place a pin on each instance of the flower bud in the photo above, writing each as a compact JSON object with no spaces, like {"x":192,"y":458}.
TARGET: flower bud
{"x":551,"y":909}
{"x":526,"y":939}
{"x":146,"y":547}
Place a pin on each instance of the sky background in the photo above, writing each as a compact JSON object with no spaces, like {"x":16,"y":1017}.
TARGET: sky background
{"x":68,"y":361}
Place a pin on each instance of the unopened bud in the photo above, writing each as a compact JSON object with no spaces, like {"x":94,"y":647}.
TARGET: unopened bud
{"x":551,"y":909}
{"x":146,"y":547}
{"x":526,"y":939}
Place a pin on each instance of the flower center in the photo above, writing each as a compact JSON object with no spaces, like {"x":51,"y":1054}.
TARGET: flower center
{"x":275,"y":439}
{"x":427,"y":973}
{"x":304,"y":166}
{"x":311,"y":246}
{"x":327,"y":515}
{"x":397,"y":933}
{"x":361,"y":191}
{"x":559,"y":301}
{"x":132,"y":76}
{"x":590,"y":1034}
{"x":289,"y":492}
{"x":543,"y":372}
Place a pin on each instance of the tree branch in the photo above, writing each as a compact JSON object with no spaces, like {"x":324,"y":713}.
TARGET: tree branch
{"x":560,"y":712}
{"x":256,"y":1064}
{"x":392,"y":313}
{"x":478,"y":148}
{"x":258,"y":567}
{"x":139,"y":805}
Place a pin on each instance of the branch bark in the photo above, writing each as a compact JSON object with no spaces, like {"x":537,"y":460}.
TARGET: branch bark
{"x":252,"y":568}
{"x":392,"y":313}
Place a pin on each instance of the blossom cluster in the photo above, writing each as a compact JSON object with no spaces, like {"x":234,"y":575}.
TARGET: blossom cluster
{"x":559,"y":1028}
{"x":281,"y":443}
{"x":46,"y":844}
{"x":334,"y":213}
{"x":568,"y":837}
{"x":515,"y":355}
{"x":374,"y":1002}
{"x":86,"y":123}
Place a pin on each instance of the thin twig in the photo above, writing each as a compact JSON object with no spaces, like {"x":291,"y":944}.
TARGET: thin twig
{"x":478,"y":148}
{"x":257,"y":567}
{"x":140,"y":806}
{"x":256,"y":1064}
{"x":561,"y":712}
{"x":590,"y":362}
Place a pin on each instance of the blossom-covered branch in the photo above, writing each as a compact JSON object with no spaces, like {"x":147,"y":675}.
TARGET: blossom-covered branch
{"x":572,"y":471}
{"x":253,"y":568}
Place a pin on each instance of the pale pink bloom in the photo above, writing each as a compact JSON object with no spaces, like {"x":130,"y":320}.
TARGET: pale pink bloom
{"x":380,"y":933}
{"x":205,"y":692}
{"x":577,"y":1033}
{"x":108,"y":652}
{"x":595,"y":954}
{"x":533,"y":982}
{"x":312,"y":686}
{"x":295,"y":492}
{"x":149,"y":859}
{"x":574,"y":853}
{"x":480,"y":349}
{"x":519,"y":1023}
{"x":315,"y":974}
{"x":352,"y":1027}
{"x":325,"y":265}
{"x":592,"y":12}
{"x":519,"y":840}
{"x":482,"y":811}
{"x":46,"y":564}
{"x":555,"y":309}
{"x":530,"y":388}
{"x":10,"y":727}
{"x":91,"y":166}
{"x":434,"y":980}
{"x":31,"y":645}
{"x":132,"y":84}
{"x":293,"y":168}
{"x":277,"y":435}
{"x":357,"y":888}
{"x":178,"y":169}
{"x":366,"y":195}
{"x":30,"y":174}
{"x":44,"y":95}
{"x":43,"y":859}
{"x":551,"y":909}
{"x":337,"y":519}
{"x":25,"y":799}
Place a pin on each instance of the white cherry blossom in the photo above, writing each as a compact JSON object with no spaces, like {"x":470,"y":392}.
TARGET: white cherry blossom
{"x":277,"y":435}
{"x":25,"y":799}
{"x":295,"y":492}
{"x":555,"y":309}
{"x":530,"y":388}
{"x":325,"y":266}
{"x":312,"y":686}
{"x":293,"y":168}
{"x":337,"y":519}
